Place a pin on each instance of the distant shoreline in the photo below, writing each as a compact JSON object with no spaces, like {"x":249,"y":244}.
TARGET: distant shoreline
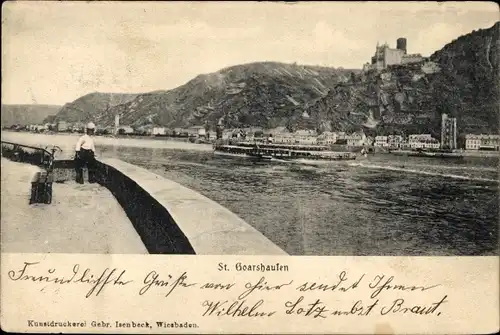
{"x":67,"y":142}
{"x":62,"y":139}
{"x":465,"y":153}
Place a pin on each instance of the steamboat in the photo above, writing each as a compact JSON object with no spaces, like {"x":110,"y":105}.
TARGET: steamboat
{"x":290,"y":153}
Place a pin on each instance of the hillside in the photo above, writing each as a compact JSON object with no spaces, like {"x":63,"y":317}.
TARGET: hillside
{"x":26,"y":114}
{"x":260,"y":94}
{"x":461,"y":79}
{"x":90,"y":106}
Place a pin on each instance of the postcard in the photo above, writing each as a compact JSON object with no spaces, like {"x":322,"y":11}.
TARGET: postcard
{"x":250,"y":167}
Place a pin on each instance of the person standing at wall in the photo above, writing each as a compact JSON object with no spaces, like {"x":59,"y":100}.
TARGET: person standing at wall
{"x":85,"y":155}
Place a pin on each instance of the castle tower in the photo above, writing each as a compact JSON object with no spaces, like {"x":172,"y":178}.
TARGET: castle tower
{"x":401,"y":44}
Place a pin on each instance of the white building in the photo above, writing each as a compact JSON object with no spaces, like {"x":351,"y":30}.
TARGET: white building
{"x":125,"y":130}
{"x":395,"y":141}
{"x":381,"y":141}
{"x":423,"y":141}
{"x":281,"y":135}
{"x":62,"y":126}
{"x":196,"y":131}
{"x":327,"y":138}
{"x":341,"y":135}
{"x":356,"y":139}
{"x":37,"y":127}
{"x":472,"y":142}
{"x":417,"y":138}
{"x":477,"y":142}
{"x":159,"y":131}
{"x":286,"y":138}
{"x":305,"y":137}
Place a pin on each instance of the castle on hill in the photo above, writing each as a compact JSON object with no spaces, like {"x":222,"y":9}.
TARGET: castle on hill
{"x":386,"y":56}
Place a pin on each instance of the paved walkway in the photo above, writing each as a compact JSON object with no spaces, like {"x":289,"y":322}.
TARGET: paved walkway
{"x":81,"y":219}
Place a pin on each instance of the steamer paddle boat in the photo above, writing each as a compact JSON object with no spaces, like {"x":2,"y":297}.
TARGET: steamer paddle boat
{"x":286,"y":153}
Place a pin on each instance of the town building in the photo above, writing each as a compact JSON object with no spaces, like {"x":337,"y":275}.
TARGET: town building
{"x":251,"y":133}
{"x":78,"y":127}
{"x":423,"y":141}
{"x":307,"y":137}
{"x":62,"y":126}
{"x":448,"y":132}
{"x":482,"y":142}
{"x":37,"y":127}
{"x":386,"y":56}
{"x":159,"y":131}
{"x":395,"y":141}
{"x":356,"y":139}
{"x":381,"y":141}
{"x":212,"y":136}
{"x":286,"y":138}
{"x":196,"y":131}
{"x":180,"y":132}
{"x":405,"y":144}
{"x":472,"y":142}
{"x":125,"y":130}
{"x":341,"y":135}
{"x":145,"y":130}
{"x":297,"y":137}
{"x":327,"y":138}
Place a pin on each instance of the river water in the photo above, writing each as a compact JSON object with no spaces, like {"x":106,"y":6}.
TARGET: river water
{"x":385,"y":205}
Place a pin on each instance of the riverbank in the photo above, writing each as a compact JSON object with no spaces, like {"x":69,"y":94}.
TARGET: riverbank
{"x":477,"y":153}
{"x":67,"y":142}
{"x":455,"y":153}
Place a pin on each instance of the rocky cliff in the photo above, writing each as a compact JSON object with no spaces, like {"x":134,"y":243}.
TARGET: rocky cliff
{"x":461,"y":79}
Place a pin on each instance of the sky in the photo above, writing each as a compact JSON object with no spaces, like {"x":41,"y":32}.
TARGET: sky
{"x":55,"y":52}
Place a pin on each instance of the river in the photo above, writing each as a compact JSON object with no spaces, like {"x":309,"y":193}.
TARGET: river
{"x":385,"y":205}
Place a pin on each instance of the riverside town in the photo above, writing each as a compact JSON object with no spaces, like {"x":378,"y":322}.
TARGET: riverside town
{"x":373,"y":149}
{"x":281,"y":135}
